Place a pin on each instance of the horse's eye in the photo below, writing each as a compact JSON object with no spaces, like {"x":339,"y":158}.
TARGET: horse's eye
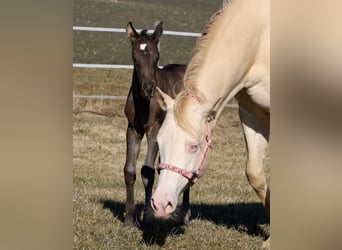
{"x":193,"y":147}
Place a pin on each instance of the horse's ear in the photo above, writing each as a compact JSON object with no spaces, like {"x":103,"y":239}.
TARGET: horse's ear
{"x":132,"y":34}
{"x":165,"y":102}
{"x":158,"y":31}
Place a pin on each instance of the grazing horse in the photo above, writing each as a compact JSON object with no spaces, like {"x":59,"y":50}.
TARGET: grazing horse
{"x":231,"y":59}
{"x":143,"y":112}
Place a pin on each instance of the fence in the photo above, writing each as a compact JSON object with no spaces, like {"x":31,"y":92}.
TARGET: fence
{"x":119,"y":66}
{"x":119,"y":30}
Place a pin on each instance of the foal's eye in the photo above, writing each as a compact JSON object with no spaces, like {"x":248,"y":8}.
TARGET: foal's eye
{"x":193,"y":147}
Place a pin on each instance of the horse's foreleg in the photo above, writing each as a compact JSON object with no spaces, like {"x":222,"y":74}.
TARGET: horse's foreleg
{"x":147,"y":170}
{"x":133,"y":141}
{"x":186,"y":206}
{"x":254,"y":169}
{"x":256,"y":128}
{"x":256,"y":132}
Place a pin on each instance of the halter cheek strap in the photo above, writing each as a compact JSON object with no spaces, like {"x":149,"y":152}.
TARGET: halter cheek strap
{"x":192,"y":176}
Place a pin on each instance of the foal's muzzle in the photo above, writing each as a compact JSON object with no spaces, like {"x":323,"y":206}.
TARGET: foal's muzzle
{"x":149,"y":89}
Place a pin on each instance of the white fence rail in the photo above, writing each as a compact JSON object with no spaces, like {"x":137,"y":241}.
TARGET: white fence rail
{"x":102,"y":66}
{"x":119,"y":30}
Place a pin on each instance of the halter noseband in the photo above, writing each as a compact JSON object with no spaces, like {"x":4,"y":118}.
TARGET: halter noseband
{"x":192,"y":176}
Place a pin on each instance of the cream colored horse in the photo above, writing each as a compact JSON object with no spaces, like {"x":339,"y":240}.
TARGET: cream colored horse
{"x":231,"y":59}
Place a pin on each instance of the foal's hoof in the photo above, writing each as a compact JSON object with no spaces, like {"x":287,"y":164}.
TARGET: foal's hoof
{"x":148,"y":216}
{"x":186,"y":220}
{"x":129,"y":222}
{"x":266,"y":245}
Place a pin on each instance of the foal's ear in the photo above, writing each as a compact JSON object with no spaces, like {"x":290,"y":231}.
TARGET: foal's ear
{"x":158,"y":31}
{"x":165,"y":102}
{"x":132,"y":34}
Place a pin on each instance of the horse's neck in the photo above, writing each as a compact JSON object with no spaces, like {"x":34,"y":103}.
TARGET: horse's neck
{"x":230,"y":53}
{"x":135,"y":81}
{"x":162,"y":79}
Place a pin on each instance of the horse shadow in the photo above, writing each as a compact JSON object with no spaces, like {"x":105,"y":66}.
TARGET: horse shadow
{"x":242,"y":216}
{"x":153,"y":231}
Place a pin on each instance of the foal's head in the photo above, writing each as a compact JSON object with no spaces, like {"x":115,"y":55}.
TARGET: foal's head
{"x":145,"y":56}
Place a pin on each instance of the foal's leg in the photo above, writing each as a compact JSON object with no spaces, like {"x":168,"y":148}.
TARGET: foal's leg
{"x":133,"y":141}
{"x":147,"y":170}
{"x":186,"y":206}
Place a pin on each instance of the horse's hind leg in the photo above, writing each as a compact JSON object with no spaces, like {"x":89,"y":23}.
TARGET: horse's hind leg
{"x":133,"y":141}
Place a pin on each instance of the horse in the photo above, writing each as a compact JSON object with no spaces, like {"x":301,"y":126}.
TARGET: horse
{"x":230,"y":59}
{"x":143,"y":113}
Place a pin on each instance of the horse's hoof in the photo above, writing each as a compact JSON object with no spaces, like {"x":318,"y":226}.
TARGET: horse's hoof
{"x":266,"y":245}
{"x":129,"y":222}
{"x":186,"y":220}
{"x":148,"y":217}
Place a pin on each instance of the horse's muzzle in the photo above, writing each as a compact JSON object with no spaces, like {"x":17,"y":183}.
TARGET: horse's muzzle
{"x":149,"y":90}
{"x":162,"y":205}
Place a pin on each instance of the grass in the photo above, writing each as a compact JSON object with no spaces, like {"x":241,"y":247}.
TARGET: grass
{"x":102,"y":81}
{"x":226,"y":213}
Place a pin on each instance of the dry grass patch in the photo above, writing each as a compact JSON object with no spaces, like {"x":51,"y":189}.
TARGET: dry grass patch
{"x":226,"y":214}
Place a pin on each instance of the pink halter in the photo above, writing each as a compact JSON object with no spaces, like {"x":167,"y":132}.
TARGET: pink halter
{"x":192,"y":176}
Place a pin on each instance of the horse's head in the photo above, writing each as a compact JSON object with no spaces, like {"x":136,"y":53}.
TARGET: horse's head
{"x":183,"y":139}
{"x":145,"y":56}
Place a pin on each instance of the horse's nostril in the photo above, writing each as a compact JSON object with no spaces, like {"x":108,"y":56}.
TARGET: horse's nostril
{"x":149,"y":90}
{"x":153,"y":205}
{"x":169,"y":208}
